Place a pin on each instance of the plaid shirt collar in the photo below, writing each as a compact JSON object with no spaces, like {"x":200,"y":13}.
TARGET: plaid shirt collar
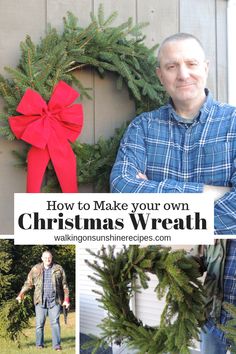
{"x":203,"y":112}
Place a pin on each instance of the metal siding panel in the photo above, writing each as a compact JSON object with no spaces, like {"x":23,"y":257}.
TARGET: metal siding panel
{"x":112,"y":107}
{"x":198,"y":18}
{"x":85,"y":75}
{"x":163,"y":18}
{"x":56,"y":9}
{"x":124,"y":8}
{"x":15,"y":24}
{"x":12,"y":180}
{"x":221,"y":45}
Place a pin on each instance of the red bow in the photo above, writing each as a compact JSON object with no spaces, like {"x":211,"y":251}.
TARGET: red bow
{"x":48,"y":128}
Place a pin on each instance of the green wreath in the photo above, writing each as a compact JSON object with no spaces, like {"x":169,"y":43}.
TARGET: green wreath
{"x":177,"y":275}
{"x":107,"y":49}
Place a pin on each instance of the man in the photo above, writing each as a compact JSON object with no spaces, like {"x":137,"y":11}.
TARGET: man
{"x":219,"y":263}
{"x":186,"y":146}
{"x":51,"y":292}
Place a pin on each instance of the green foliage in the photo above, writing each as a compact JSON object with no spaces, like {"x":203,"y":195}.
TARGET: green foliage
{"x":94,"y":163}
{"x":230,"y":327}
{"x":117,"y":273}
{"x":15,"y":263}
{"x":5,"y":269}
{"x":14,"y":318}
{"x":101,"y":46}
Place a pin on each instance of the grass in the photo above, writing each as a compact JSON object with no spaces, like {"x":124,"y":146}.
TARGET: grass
{"x":28,"y":342}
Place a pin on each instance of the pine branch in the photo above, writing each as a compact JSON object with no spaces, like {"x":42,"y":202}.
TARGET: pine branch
{"x":230,"y":327}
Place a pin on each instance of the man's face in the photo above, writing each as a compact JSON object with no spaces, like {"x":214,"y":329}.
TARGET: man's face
{"x":183,"y":71}
{"x":47,"y":259}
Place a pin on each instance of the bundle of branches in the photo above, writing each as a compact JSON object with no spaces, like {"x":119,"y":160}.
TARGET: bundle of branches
{"x":177,"y":277}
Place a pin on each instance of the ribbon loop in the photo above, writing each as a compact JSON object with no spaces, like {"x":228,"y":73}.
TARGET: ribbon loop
{"x":49,"y":128}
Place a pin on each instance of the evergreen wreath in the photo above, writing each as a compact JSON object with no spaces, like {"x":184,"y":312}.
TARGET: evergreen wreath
{"x":107,"y":49}
{"x":178,"y":281}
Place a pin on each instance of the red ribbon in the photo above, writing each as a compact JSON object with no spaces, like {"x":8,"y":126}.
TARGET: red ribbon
{"x":49,"y":128}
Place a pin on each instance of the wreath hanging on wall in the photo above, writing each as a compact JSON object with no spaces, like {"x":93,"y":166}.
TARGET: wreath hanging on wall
{"x":117,"y":275}
{"x":120,"y":50}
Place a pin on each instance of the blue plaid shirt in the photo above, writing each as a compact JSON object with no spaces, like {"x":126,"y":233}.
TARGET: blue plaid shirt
{"x":48,"y":291}
{"x":179,"y":157}
{"x":229,"y":288}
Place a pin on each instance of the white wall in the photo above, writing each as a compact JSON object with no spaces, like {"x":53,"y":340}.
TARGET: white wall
{"x":231,"y":16}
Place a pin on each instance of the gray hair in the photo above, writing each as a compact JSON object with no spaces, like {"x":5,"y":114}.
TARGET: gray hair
{"x":177,"y":37}
{"x":47,"y":252}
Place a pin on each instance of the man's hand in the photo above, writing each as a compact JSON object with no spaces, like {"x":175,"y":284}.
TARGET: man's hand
{"x":66,"y":304}
{"x":20,"y":298}
{"x":141,"y":176}
{"x":216,"y":191}
{"x":65,"y":307}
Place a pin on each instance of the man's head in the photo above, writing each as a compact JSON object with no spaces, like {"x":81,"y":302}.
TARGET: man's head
{"x":47,"y":258}
{"x":183,"y":68}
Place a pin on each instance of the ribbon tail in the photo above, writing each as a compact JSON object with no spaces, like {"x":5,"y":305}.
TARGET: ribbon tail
{"x":64,"y":163}
{"x":37,"y":162}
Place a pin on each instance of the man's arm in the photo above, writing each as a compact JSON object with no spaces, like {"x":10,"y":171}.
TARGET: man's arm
{"x":224,"y":226}
{"x":215,"y":191}
{"x":26,"y":287}
{"x":129,"y":176}
{"x":225,"y":210}
{"x":132,"y":160}
{"x":66,"y":301}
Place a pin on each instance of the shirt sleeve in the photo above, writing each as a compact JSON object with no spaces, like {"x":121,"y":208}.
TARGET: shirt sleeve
{"x":65,"y":285}
{"x":132,"y":159}
{"x":29,"y":283}
{"x":225,"y":211}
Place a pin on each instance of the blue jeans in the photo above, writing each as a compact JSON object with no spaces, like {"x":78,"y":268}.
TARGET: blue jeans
{"x":54,"y":317}
{"x":210,"y":344}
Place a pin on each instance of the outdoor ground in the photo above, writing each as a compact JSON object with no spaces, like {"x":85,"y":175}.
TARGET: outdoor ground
{"x":28,"y":343}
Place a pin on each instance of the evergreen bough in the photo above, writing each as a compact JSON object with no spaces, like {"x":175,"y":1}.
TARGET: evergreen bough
{"x":120,"y":50}
{"x":14,"y":318}
{"x":230,"y":327}
{"x":177,"y":274}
